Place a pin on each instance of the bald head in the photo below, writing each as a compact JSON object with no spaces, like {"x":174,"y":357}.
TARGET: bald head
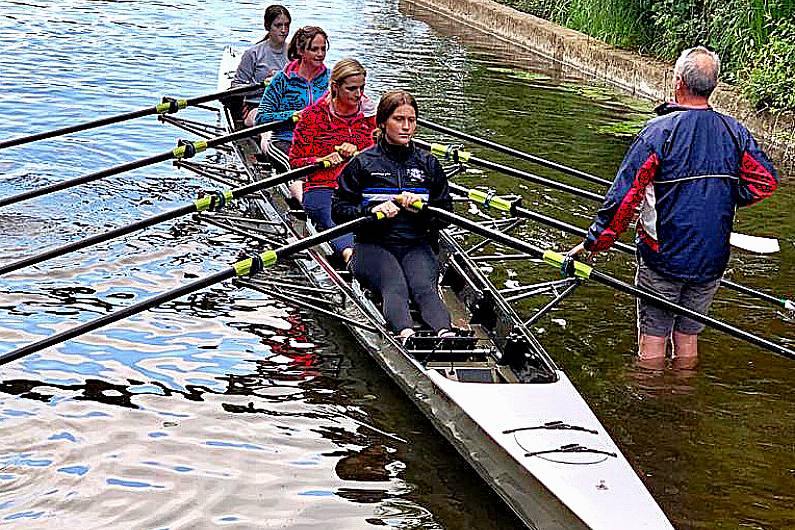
{"x":698,"y":68}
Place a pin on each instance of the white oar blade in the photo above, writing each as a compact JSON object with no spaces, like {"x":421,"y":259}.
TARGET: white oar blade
{"x":759,"y":245}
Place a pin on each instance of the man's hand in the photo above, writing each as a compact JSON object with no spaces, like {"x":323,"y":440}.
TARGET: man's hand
{"x":580,"y":249}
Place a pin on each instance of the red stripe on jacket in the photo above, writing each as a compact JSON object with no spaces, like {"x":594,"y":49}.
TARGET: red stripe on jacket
{"x":760,"y":182}
{"x":628,"y":209}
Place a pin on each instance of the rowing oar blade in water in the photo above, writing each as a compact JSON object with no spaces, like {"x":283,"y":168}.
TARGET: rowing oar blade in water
{"x":167,"y":106}
{"x":584,"y":271}
{"x":212,"y":201}
{"x":756,"y":244}
{"x":244,"y":267}
{"x":512,"y":207}
{"x":184,"y":150}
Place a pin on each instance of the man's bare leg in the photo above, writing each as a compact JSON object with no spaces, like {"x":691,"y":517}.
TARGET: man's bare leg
{"x":685,"y":350}
{"x":651,"y":350}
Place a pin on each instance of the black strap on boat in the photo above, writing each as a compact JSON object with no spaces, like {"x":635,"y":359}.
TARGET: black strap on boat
{"x":552,"y":425}
{"x":217,"y":200}
{"x":173,"y":105}
{"x":190,"y":149}
{"x":572,"y":448}
{"x":257,"y":265}
{"x":567,"y":266}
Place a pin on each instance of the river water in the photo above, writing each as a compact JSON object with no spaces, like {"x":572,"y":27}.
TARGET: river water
{"x":227,"y":408}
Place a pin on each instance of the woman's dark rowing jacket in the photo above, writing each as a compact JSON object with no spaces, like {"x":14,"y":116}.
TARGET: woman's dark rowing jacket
{"x":685,"y":174}
{"x":382,"y":172}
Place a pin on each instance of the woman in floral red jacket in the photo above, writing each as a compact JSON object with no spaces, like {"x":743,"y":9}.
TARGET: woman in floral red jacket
{"x":335,"y":128}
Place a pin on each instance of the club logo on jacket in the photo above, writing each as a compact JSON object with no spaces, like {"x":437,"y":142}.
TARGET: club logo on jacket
{"x":416,"y":175}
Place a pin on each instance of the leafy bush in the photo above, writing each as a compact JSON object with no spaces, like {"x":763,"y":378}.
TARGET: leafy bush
{"x":770,"y":82}
{"x":742,"y":32}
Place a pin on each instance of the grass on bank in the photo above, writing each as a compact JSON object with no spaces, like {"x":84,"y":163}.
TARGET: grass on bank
{"x":754,"y":38}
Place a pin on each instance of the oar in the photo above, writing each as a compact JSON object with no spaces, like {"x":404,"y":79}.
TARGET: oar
{"x":513,"y":152}
{"x":167,"y":106}
{"x":184,"y":150}
{"x":248,"y":266}
{"x":759,"y":245}
{"x":212,"y":201}
{"x":457,"y":155}
{"x":513,"y":207}
{"x":584,"y":271}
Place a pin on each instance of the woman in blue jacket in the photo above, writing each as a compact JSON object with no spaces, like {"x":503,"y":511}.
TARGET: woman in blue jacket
{"x":302,"y":82}
{"x":397,"y":257}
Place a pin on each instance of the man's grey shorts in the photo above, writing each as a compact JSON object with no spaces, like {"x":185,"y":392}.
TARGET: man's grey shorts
{"x":658,"y":322}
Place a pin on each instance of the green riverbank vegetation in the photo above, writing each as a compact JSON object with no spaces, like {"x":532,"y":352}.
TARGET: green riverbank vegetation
{"x":755,"y":39}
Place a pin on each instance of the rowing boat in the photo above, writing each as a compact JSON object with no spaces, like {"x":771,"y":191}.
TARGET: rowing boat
{"x":495,"y":394}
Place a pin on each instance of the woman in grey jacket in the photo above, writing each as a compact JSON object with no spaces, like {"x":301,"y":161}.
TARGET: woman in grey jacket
{"x":264,"y":59}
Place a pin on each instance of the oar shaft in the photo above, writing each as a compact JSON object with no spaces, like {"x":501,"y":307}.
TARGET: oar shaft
{"x":524,"y":175}
{"x":178,"y":152}
{"x":13,"y":142}
{"x":117,"y":315}
{"x":275,"y":180}
{"x":175,"y":213}
{"x":246,"y":133}
{"x":148,"y":111}
{"x":84,"y":179}
{"x":96,"y":239}
{"x":240,"y":268}
{"x":689,"y":313}
{"x":604,"y":279}
{"x":234,"y":91}
{"x":513,"y":152}
{"x":326,"y":235}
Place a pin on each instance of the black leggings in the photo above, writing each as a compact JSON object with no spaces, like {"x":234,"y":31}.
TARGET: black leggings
{"x":396,"y":272}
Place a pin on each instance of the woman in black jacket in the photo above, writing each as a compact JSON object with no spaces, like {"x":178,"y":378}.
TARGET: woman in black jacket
{"x":397,"y":257}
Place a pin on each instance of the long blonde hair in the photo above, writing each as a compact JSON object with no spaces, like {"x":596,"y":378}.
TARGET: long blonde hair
{"x":344,"y":69}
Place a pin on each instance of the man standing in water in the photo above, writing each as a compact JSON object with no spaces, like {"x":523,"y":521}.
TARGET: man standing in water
{"x":682,"y":178}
